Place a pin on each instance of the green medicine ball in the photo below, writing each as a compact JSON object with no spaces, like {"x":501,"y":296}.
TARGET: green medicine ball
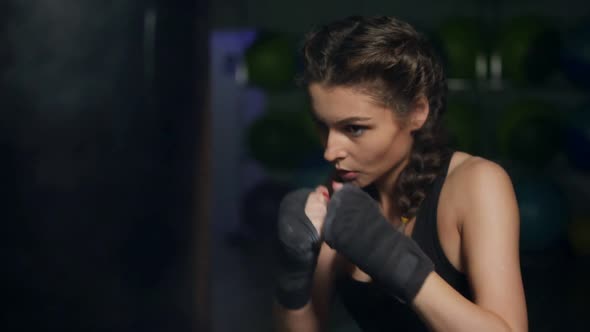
{"x":529,"y":48}
{"x":271,"y":62}
{"x":281,"y":140}
{"x":461,"y":121}
{"x":531,"y":132}
{"x":460,"y":41}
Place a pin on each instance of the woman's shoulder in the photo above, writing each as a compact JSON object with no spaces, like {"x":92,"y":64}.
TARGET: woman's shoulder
{"x":474,"y":181}
{"x":466,"y":170}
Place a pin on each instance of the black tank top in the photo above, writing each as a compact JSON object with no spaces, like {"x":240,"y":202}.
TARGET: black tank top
{"x":370,"y":307}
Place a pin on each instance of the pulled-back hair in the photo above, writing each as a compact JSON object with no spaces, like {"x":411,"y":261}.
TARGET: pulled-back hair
{"x":390,"y":61}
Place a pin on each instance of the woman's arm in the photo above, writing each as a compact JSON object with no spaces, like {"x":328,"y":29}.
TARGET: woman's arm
{"x":313,"y":317}
{"x":489,"y":234}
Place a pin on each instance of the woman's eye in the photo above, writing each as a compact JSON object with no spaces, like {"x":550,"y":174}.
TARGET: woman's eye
{"x":355,"y":130}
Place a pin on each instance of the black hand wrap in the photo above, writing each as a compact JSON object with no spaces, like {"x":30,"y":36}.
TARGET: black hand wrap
{"x":356,"y":228}
{"x":299,"y":245}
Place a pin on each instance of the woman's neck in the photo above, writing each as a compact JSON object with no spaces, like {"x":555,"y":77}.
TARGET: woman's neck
{"x":385,"y":189}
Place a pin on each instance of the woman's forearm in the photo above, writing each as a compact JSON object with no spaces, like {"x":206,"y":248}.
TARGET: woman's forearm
{"x":299,"y":320}
{"x":443,"y":309}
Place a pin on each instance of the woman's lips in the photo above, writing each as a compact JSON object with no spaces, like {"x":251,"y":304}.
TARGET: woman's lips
{"x":347,"y":175}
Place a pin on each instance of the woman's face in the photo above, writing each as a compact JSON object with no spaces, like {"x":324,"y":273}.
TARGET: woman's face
{"x":365,"y":142}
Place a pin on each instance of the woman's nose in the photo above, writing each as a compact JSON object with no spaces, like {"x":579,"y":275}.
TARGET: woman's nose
{"x":334,"y":150}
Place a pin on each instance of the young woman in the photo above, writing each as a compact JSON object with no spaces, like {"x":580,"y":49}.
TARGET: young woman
{"x":415,"y":236}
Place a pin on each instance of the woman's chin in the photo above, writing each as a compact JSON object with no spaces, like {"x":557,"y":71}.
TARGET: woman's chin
{"x":359,"y":182}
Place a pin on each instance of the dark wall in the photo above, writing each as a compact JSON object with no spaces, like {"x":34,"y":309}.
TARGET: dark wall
{"x":100,"y":127}
{"x":298,"y":16}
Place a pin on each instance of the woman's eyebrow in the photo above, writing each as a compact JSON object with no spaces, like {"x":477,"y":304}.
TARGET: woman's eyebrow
{"x":344,"y":121}
{"x":352,"y":119}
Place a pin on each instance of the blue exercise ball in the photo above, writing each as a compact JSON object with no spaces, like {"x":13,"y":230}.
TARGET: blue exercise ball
{"x":577,"y":138}
{"x":543,"y":214}
{"x":575,"y":55}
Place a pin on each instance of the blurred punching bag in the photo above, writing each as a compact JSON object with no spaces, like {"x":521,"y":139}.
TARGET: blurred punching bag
{"x":101,"y":104}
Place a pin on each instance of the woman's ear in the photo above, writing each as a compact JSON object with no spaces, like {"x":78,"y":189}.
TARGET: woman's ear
{"x":419,"y":113}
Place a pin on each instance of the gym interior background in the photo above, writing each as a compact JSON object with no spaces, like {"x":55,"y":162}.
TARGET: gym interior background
{"x":146,"y":144}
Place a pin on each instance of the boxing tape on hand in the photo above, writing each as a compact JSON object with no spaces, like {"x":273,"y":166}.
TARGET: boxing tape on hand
{"x":299,"y":245}
{"x":356,"y":228}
